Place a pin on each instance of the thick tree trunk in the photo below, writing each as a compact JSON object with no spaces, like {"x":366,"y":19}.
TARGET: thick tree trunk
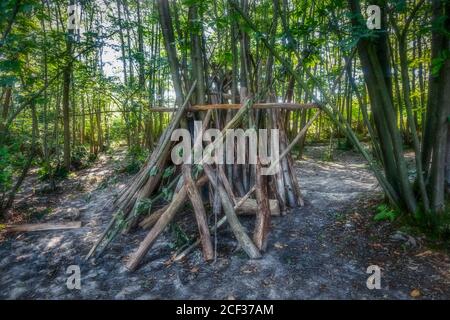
{"x":169,"y":42}
{"x":375,"y":64}
{"x":439,"y":112}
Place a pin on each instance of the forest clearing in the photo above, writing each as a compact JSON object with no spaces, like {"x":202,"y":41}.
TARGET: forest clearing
{"x":224,"y":149}
{"x":320,"y":251}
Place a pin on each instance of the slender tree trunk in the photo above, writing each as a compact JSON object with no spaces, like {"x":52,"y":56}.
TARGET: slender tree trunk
{"x":66,"y":96}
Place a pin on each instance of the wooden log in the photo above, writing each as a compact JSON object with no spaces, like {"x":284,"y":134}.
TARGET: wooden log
{"x":150,"y":186}
{"x":226,"y":184}
{"x":181,"y":255}
{"x":297,"y":190}
{"x":159,"y":227}
{"x":200,"y":213}
{"x":288,"y":184}
{"x":239,"y":232}
{"x":167,"y":216}
{"x":250,"y":207}
{"x":149,"y":221}
{"x":262,"y":224}
{"x":236,"y":106}
{"x":278,"y":178}
{"x":43,"y":226}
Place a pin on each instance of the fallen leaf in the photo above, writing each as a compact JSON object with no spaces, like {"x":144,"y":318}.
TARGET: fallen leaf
{"x":415,"y":293}
{"x":195,"y":269}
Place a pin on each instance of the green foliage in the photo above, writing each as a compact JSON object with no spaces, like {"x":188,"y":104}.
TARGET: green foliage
{"x":384,"y":213}
{"x":438,"y":63}
{"x":344,"y":145}
{"x":134,"y":160}
{"x":39,"y":214}
{"x":436,"y":226}
{"x":81,"y":158}
{"x":6,"y":170}
{"x":13,"y":153}
{"x":168,"y":172}
{"x":48,"y":171}
{"x":167,"y":194}
{"x":143,"y":206}
{"x":180,"y":237}
{"x":327,"y":155}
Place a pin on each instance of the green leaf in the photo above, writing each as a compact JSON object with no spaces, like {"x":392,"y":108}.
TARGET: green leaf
{"x":167,"y":194}
{"x":168,"y":172}
{"x":384,"y":214}
{"x":153,"y":171}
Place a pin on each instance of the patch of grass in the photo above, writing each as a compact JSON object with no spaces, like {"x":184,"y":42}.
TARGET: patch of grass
{"x":385,"y":213}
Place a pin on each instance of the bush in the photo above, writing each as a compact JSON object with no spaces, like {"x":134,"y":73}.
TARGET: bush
{"x":79,"y":157}
{"x":46,"y":172}
{"x":136,"y":156}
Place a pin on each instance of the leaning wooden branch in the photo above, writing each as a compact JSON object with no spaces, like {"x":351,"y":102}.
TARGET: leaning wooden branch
{"x":239,"y":232}
{"x":43,"y":226}
{"x":248,"y":208}
{"x":159,"y":227}
{"x":180,"y":256}
{"x":237,"y":106}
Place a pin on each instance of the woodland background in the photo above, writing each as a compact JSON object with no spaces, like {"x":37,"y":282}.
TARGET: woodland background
{"x":68,"y":96}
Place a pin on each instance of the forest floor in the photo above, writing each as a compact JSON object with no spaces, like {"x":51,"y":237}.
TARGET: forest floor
{"x":319,"y":251}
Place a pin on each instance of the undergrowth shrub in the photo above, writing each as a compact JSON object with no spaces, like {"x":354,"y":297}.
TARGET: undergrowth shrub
{"x":81,"y":158}
{"x":134,"y":159}
{"x":435,"y":227}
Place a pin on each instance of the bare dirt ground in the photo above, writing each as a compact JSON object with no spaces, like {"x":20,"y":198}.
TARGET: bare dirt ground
{"x":319,"y":251}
